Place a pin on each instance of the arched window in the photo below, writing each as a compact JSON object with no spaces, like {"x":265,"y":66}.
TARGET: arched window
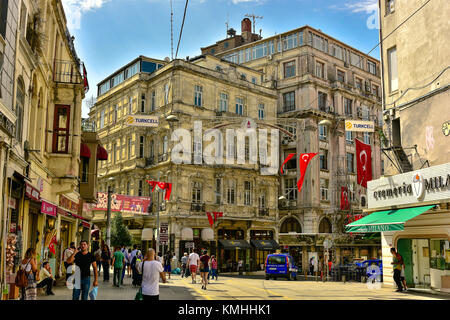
{"x":20,"y":102}
{"x":325,"y":226}
{"x":290,"y":225}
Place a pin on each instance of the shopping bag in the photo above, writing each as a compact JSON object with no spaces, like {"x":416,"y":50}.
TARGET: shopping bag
{"x":139,"y":295}
{"x":93,"y":293}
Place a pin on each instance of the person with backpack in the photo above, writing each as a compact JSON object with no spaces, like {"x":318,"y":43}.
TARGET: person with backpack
{"x":26,"y":276}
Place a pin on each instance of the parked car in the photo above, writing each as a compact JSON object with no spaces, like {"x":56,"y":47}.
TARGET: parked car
{"x":280,"y":266}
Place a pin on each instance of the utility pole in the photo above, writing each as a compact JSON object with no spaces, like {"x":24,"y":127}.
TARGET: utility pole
{"x":171,"y":28}
{"x":157,"y":219}
{"x":108,"y":218}
{"x":248,"y":15}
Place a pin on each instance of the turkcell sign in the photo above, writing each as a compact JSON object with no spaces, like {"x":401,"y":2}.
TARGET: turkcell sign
{"x":142,"y":121}
{"x":359,"y":126}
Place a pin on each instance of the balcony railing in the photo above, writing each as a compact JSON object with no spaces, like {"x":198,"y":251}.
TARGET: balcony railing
{"x":162,"y":157}
{"x":263,"y":211}
{"x":197,"y":207}
{"x":149,"y":161}
{"x":67,"y":72}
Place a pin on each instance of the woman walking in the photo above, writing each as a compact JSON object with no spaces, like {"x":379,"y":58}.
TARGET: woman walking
{"x":204,"y":268}
{"x":29,"y":265}
{"x":213,"y":264}
{"x":105,"y":259}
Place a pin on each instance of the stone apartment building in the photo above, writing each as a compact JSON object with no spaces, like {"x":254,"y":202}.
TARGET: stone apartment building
{"x":214,"y":92}
{"x":317,"y":78}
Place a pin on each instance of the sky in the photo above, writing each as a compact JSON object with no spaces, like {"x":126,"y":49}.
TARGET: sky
{"x":111,"y":33}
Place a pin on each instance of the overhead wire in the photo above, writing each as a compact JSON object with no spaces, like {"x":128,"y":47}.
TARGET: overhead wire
{"x":182,"y":25}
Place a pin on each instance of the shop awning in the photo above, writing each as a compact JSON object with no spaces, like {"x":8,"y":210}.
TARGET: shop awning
{"x":389,"y":220}
{"x":102,"y":154}
{"x":85,"y":151}
{"x":265,"y":244}
{"x":235,"y":244}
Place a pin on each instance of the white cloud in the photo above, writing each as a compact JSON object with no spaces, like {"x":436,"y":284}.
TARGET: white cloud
{"x":365,"y":5}
{"x":74,"y":9}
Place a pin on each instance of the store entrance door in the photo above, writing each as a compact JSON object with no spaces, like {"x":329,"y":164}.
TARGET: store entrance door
{"x":404,"y":247}
{"x":421,"y":260}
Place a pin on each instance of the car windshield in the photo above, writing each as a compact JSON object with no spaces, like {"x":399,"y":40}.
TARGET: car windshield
{"x":277,"y":260}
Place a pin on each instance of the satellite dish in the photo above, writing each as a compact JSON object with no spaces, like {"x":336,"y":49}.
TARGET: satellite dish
{"x":167,"y":59}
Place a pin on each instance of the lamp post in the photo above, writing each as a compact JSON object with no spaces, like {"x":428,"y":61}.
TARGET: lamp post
{"x":108,"y":219}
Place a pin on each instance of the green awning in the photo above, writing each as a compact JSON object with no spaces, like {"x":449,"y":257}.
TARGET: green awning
{"x":389,"y":220}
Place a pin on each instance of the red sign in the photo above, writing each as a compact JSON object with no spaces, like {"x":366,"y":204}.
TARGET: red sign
{"x":48,"y":208}
{"x":122,"y":203}
{"x":62,"y":212}
{"x":52,"y":244}
{"x":345,"y":204}
{"x":31,"y":192}
{"x":68,"y":204}
{"x":363,"y":163}
{"x":86,"y":224}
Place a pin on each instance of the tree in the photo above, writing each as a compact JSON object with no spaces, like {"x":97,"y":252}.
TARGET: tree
{"x":120,"y":235}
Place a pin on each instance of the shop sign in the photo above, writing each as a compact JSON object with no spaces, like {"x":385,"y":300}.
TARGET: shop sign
{"x":12,"y":203}
{"x":68,"y":204}
{"x":48,"y":208}
{"x":62,"y":212}
{"x":86,"y":224}
{"x":142,"y":121}
{"x":416,"y":187}
{"x":189,"y":245}
{"x":31,"y":192}
{"x":40,"y":183}
{"x":123,"y":203}
{"x":164,"y":232}
{"x":359,"y":126}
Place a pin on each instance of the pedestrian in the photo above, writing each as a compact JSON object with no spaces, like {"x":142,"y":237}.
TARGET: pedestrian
{"x":311,"y":266}
{"x":184,"y":260}
{"x":105,"y":260}
{"x":397,"y":262}
{"x":29,"y":265}
{"x":193,"y":262}
{"x":84,"y":259}
{"x":124,"y":252}
{"x":46,"y":279}
{"x":133,"y":252}
{"x":240,"y":265}
{"x":67,"y":253}
{"x":128,"y":258}
{"x":151,"y":271}
{"x":137,"y":277}
{"x":166,"y":263}
{"x":118,"y":263}
{"x":204,"y":268}
{"x":330,"y":265}
{"x":174,"y":262}
{"x":213,"y":264}
{"x":98,"y":259}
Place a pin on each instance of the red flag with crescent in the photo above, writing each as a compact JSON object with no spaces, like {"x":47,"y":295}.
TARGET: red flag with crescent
{"x":210,"y":218}
{"x":52,"y":244}
{"x":363,"y":163}
{"x":303,"y":161}
{"x":345,"y":204}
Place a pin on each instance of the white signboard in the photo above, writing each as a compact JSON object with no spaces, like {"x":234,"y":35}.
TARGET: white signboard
{"x":415,"y":187}
{"x":142,"y":121}
{"x":359,"y":126}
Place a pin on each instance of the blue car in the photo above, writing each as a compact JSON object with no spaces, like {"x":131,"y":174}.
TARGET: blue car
{"x":280,"y":266}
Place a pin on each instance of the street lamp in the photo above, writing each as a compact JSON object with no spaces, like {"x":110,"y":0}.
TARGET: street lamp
{"x":108,"y":216}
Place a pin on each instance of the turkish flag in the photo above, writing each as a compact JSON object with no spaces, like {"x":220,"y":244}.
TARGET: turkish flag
{"x":363,"y":163}
{"x":289,"y":157}
{"x":217,"y":215}
{"x":210,"y":219}
{"x":345,"y":205}
{"x":303,"y":162}
{"x":51,"y":246}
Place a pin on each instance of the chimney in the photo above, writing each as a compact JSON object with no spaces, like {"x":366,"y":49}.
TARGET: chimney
{"x":246,"y":30}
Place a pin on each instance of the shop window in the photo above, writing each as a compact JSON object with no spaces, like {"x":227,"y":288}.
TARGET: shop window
{"x":61,"y":129}
{"x":440,"y":254}
{"x":85,"y":169}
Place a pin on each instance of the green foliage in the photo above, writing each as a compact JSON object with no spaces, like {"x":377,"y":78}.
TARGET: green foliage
{"x":119,"y":232}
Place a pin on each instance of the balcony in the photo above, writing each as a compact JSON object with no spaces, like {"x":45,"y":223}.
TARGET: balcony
{"x":263,"y":211}
{"x":197,"y":207}
{"x":67,"y":72}
{"x":149,"y":161}
{"x":162,"y":157}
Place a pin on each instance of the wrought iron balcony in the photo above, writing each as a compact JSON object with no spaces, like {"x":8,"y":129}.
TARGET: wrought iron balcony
{"x":263,"y":211}
{"x":67,"y":72}
{"x":162,"y":157}
{"x":197,"y":207}
{"x":149,"y":161}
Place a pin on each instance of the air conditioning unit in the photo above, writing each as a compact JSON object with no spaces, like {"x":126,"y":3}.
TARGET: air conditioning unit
{"x":269,"y":57}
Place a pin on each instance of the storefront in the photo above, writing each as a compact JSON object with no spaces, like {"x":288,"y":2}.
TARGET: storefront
{"x":262,"y":244}
{"x":231,"y":252}
{"x":412,"y":212}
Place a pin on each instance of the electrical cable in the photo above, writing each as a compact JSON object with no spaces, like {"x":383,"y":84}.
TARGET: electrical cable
{"x":182,"y":25}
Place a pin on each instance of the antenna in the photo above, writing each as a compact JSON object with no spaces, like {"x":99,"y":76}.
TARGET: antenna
{"x":171,"y":28}
{"x":248,"y":15}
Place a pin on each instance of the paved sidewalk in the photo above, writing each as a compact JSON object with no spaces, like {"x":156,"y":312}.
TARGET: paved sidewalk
{"x":173,"y":290}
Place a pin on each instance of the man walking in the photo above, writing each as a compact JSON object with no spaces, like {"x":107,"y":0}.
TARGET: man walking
{"x":83,"y":259}
{"x":118,"y":263}
{"x":167,"y":265}
{"x":67,"y":253}
{"x":184,"y":261}
{"x":397,"y":262}
{"x":194,"y":261}
{"x":151,"y":270}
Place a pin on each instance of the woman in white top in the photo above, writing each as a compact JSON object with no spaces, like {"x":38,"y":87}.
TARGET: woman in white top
{"x":151,"y":270}
{"x":29,"y":264}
